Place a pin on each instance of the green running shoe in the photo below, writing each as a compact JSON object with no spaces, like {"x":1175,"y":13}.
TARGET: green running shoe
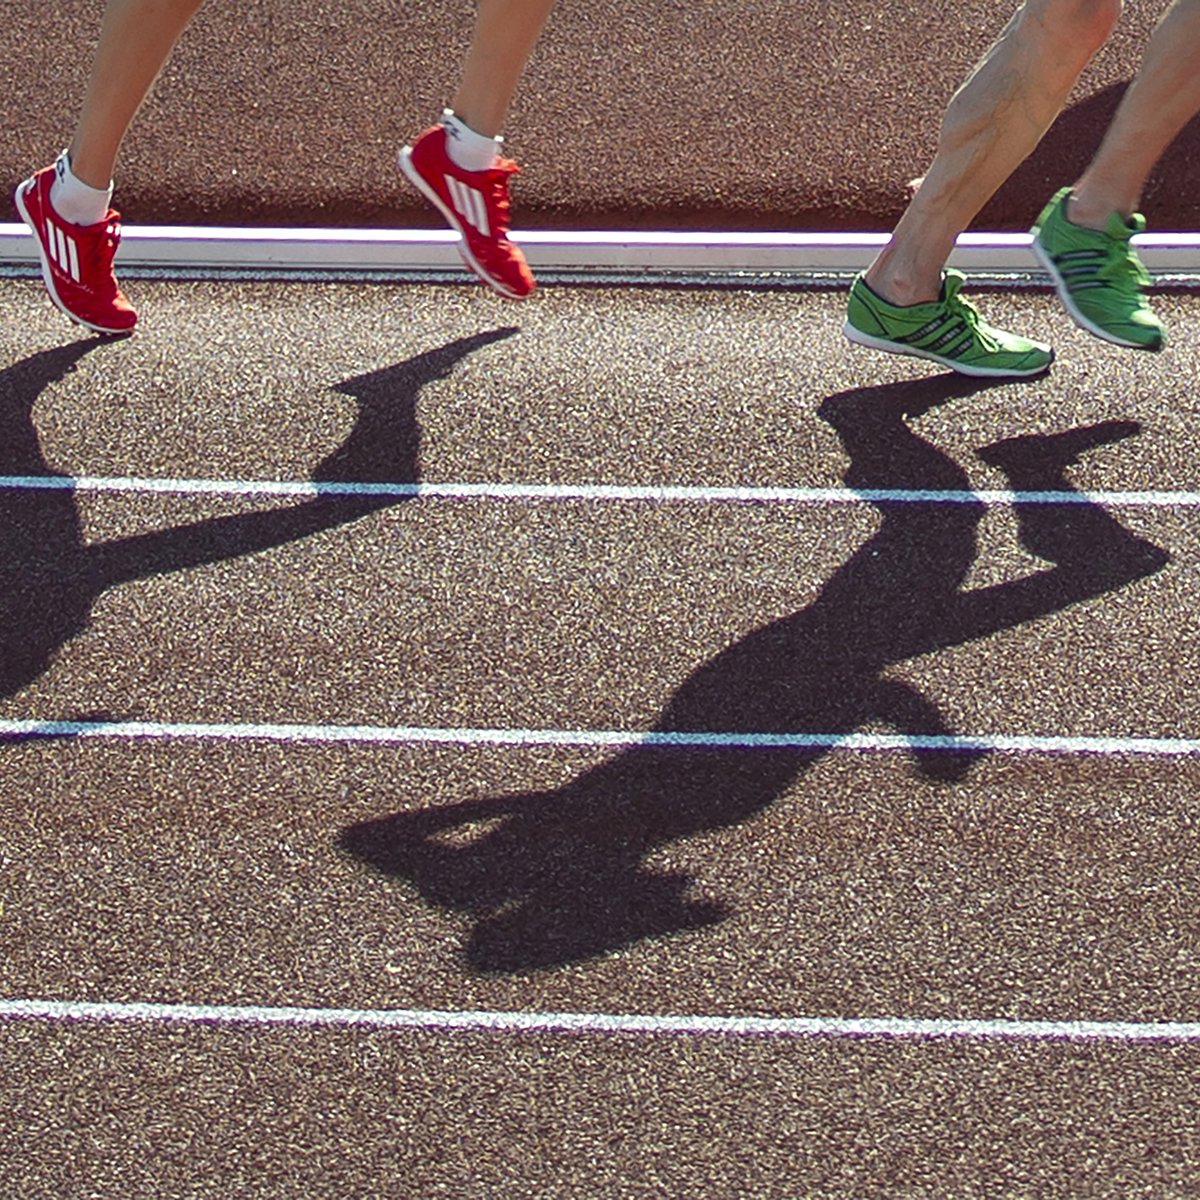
{"x":949,"y":331}
{"x":1098,"y":276}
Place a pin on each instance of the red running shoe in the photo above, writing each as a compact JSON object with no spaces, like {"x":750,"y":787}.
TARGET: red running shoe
{"x":77,"y":260}
{"x":475,"y":203}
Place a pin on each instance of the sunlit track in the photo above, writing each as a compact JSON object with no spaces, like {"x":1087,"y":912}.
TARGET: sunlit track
{"x":538,"y":759}
{"x":665,"y":494}
{"x":662,"y":739}
{"x":680,"y":1025}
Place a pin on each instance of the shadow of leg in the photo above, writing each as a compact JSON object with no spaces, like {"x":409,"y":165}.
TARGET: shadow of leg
{"x":1080,"y":535}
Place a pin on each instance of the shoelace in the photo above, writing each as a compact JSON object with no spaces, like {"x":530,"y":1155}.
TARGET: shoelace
{"x":100,"y":249}
{"x":496,"y":193}
{"x":1122,"y":268}
{"x":963,"y":308}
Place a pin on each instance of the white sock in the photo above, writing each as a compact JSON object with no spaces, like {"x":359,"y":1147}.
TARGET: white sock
{"x":74,"y":200}
{"x":467,"y":149}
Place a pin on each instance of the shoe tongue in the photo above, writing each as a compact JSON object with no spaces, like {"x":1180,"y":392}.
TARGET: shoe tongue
{"x":952,"y":284}
{"x":1117,"y":227}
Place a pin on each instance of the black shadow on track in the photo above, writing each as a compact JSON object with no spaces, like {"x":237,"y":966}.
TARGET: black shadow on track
{"x":49,"y":578}
{"x":1063,"y":154}
{"x":558,"y":876}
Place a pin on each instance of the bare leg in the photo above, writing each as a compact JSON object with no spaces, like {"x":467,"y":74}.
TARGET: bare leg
{"x":991,"y":125}
{"x":136,"y":37}
{"x":505,"y":34}
{"x":1160,"y":101}
{"x":457,"y":165}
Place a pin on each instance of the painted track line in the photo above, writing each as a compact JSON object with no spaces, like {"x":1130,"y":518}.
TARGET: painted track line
{"x":890,"y":1028}
{"x":397,"y":735}
{"x":663,"y":494}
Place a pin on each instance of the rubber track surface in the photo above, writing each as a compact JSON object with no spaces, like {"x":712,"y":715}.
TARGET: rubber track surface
{"x":531,"y":878}
{"x":811,"y":116}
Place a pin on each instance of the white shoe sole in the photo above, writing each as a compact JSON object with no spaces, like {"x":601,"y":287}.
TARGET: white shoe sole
{"x":865,"y":339}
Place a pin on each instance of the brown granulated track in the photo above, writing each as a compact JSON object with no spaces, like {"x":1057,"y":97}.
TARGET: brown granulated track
{"x":789,"y":883}
{"x":771,"y":114}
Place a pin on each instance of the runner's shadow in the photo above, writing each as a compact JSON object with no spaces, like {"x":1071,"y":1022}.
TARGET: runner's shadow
{"x":1068,"y":146}
{"x":49,"y":577}
{"x":558,"y":876}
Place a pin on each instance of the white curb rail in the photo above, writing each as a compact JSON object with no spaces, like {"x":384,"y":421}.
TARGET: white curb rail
{"x":190,"y":251}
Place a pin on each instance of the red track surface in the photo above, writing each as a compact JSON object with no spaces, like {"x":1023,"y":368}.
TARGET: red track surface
{"x":771,"y":115}
{"x":532,"y":878}
{"x":529,"y":878}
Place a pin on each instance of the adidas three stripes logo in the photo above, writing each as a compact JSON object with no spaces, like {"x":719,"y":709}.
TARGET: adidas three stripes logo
{"x":63,"y":249}
{"x":469,"y":204}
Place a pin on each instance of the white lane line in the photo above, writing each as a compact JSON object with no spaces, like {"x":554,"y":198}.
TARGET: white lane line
{"x":666,"y":493}
{"x":1170,"y":747}
{"x":602,"y":1023}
